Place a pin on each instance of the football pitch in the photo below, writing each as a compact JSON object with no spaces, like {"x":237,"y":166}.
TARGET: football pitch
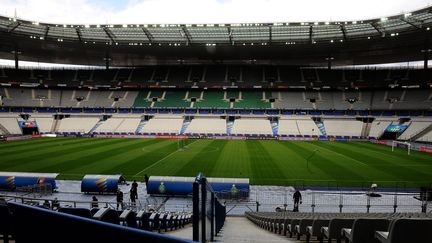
{"x":265,"y":162}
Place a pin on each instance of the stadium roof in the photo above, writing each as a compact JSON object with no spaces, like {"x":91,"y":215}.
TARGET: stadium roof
{"x":399,"y":38}
{"x":221,"y":34}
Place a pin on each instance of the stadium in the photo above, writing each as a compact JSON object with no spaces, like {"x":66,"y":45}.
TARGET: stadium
{"x":186,"y":131}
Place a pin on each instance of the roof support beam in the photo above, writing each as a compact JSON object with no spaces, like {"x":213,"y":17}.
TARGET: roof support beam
{"x":187,"y":35}
{"x":270,"y":34}
{"x":418,"y":24}
{"x":343,"y":29}
{"x":46,"y":32}
{"x":230,"y":35}
{"x":78,"y":31}
{"x":310,"y":34}
{"x":148,"y":34}
{"x":109,"y":34}
{"x":379,"y":28}
{"x":14,"y":27}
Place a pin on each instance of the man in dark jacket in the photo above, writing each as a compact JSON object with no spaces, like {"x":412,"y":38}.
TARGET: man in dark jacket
{"x":297,"y":197}
{"x":119,"y":199}
{"x":134,"y":192}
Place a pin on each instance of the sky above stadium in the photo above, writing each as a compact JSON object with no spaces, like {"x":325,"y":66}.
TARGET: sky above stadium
{"x":203,"y":11}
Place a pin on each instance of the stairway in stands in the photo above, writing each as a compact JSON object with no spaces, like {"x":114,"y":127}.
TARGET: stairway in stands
{"x":142,"y":123}
{"x":96,"y":126}
{"x":321,"y":127}
{"x":230,"y":125}
{"x":185,"y":125}
{"x":275,"y":127}
{"x":55,"y":126}
{"x":4,"y":130}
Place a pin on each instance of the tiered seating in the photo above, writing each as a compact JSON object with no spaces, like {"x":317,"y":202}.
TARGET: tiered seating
{"x":71,"y":226}
{"x":288,"y":127}
{"x":115,"y":98}
{"x":162,"y":125}
{"x":141,"y":99}
{"x":414,"y":128}
{"x":426,"y":137}
{"x":119,"y":125}
{"x":252,"y":99}
{"x":78,"y":98}
{"x":350,"y":127}
{"x":44,"y":123}
{"x":354,"y":227}
{"x":218,"y":74}
{"x":291,"y":100}
{"x":377,"y":127}
{"x":11,"y":125}
{"x":129,"y":125}
{"x":252,"y":126}
{"x":212,"y":99}
{"x":207,"y":125}
{"x":77,"y":124}
{"x":305,"y":100}
{"x":308,"y":127}
{"x":173,"y":99}
{"x":407,"y":230}
{"x":298,"y":127}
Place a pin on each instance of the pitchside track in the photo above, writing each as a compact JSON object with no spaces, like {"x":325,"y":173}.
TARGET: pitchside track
{"x":265,"y":162}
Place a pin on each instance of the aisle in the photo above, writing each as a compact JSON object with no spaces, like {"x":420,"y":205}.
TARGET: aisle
{"x":238,"y":229}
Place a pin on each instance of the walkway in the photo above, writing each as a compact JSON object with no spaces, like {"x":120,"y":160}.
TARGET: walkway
{"x":238,"y":230}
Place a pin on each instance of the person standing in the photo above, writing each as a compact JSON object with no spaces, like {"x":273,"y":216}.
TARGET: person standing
{"x":297,"y":197}
{"x":146,"y":179}
{"x":119,"y":199}
{"x":94,"y":203}
{"x":134,"y":192}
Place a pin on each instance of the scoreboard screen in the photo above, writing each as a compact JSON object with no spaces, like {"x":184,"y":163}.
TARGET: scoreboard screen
{"x":27,"y":124}
{"x":396,"y":128}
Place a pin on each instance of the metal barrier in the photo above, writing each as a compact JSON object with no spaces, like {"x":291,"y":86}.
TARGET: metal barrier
{"x":208,"y":213}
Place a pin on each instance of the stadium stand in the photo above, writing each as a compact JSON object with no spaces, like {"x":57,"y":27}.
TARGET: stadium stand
{"x":173,"y":99}
{"x":416,"y":126}
{"x":25,"y":220}
{"x":252,"y":126}
{"x":44,"y":122}
{"x":207,"y":125}
{"x":288,"y":127}
{"x":378,"y":126}
{"x":77,"y":124}
{"x":252,"y":99}
{"x":123,"y":125}
{"x":353,"y":227}
{"x":308,"y":127}
{"x":212,"y":99}
{"x":10,"y":124}
{"x":350,"y":127}
{"x":427,"y":137}
{"x":163,"y":125}
{"x":305,"y":100}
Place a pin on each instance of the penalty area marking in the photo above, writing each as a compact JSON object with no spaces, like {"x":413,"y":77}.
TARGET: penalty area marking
{"x":169,"y":155}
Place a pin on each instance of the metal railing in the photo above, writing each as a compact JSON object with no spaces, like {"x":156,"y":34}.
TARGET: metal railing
{"x":76,"y":203}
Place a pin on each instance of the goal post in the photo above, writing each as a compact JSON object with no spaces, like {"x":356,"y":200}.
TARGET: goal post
{"x":395,"y":144}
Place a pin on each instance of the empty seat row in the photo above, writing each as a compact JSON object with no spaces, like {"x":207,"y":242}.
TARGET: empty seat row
{"x":353,"y":227}
{"x":151,"y":221}
{"x":24,"y":223}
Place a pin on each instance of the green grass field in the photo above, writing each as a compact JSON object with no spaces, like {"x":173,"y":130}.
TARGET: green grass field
{"x":264,"y":162}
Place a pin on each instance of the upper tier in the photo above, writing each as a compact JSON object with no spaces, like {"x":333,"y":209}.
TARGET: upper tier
{"x":219,"y":76}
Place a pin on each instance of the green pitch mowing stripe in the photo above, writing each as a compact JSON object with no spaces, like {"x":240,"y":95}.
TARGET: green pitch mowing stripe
{"x":265,"y":162}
